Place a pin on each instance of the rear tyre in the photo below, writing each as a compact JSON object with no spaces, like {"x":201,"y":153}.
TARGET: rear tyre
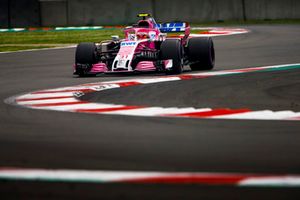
{"x":201,"y":53}
{"x":172,"y":49}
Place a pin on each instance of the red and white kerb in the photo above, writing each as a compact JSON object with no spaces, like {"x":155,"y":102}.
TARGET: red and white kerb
{"x":65,"y":99}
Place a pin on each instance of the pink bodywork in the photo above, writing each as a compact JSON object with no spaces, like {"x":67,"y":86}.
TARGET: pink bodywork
{"x":145,"y":66}
{"x":98,"y":68}
{"x":149,"y":31}
{"x":125,"y":51}
{"x":154,"y":35}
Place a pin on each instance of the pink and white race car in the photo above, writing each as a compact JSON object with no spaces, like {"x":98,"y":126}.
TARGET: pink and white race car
{"x":146,"y":47}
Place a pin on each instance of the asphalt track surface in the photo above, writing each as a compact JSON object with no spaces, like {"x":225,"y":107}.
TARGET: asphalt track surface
{"x":59,"y":140}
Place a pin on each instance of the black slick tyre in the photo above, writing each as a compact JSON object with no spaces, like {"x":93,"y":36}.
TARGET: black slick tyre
{"x":201,"y":53}
{"x":86,"y":53}
{"x":172,"y":49}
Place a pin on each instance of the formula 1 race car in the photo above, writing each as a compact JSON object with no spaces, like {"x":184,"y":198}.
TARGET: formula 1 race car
{"x":146,"y":47}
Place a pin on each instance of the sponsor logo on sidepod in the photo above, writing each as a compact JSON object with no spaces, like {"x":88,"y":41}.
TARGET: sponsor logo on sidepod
{"x":128,"y":43}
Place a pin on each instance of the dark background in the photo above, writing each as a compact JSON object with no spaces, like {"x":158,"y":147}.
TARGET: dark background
{"x":33,"y":13}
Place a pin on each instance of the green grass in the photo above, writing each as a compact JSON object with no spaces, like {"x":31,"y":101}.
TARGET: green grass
{"x":13,"y":41}
{"x":57,"y":37}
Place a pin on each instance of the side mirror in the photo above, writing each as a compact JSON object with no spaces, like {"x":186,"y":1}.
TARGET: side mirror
{"x":115,"y":37}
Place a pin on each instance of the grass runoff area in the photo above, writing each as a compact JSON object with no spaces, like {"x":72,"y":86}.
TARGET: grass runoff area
{"x":14,"y":41}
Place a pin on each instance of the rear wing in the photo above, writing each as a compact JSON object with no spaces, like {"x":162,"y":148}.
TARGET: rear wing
{"x":173,"y":27}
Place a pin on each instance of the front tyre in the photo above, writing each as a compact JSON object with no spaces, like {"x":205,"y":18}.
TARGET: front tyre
{"x":86,"y":53}
{"x":201,"y":53}
{"x":85,"y":57}
{"x":172,"y":49}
